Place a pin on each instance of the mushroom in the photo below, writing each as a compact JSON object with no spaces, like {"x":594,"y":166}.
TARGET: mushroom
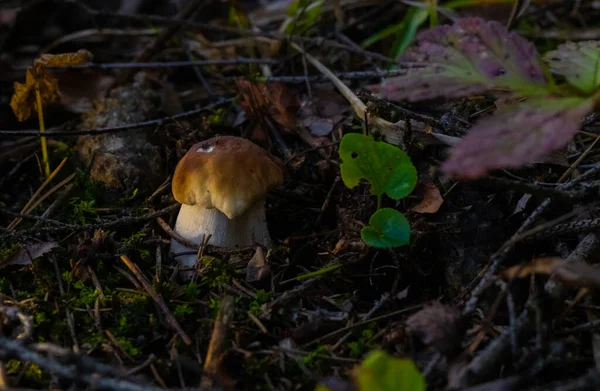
{"x":221,"y":184}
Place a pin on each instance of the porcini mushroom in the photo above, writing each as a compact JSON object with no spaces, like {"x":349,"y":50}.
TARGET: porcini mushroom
{"x":221,"y":184}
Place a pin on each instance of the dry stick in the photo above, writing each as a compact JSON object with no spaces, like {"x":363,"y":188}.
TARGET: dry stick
{"x":39,"y":190}
{"x":493,"y":355}
{"x":115,"y":129}
{"x":218,"y":344}
{"x":238,"y":31}
{"x":359,"y":324}
{"x":169,"y":231}
{"x":157,"y":298}
{"x":578,"y":161}
{"x":17,"y":350}
{"x":93,"y":32}
{"x":153,"y":48}
{"x":392,"y":133}
{"x":498,"y":257}
{"x":165,"y":64}
{"x":46,"y":195}
{"x":62,"y":227}
{"x":326,"y":202}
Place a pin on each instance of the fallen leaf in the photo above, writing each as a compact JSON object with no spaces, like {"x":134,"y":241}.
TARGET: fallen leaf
{"x":257,"y":268}
{"x":438,"y":326}
{"x":268,"y":99}
{"x":432,"y":199}
{"x":516,"y":136}
{"x":577,"y":274}
{"x":24,"y":255}
{"x":23,"y":101}
{"x":468,"y":57}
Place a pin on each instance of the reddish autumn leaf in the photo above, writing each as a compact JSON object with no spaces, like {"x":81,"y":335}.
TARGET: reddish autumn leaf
{"x":518,"y":135}
{"x":471,"y":56}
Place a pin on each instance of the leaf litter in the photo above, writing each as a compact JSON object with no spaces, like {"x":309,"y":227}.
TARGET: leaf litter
{"x":324,"y":302}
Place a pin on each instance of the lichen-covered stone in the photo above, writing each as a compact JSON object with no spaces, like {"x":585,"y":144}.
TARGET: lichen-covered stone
{"x":126,"y":160}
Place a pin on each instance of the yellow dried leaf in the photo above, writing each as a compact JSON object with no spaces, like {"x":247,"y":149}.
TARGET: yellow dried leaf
{"x":64,"y":59}
{"x":23,"y":101}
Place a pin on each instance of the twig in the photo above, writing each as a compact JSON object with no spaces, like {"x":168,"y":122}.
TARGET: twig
{"x":10,"y":349}
{"x":236,"y":31}
{"x":493,"y":355}
{"x":326,"y":202}
{"x":153,"y":47}
{"x":121,"y":128}
{"x":39,"y":191}
{"x":217,"y":347}
{"x":157,"y":298}
{"x":42,"y":198}
{"x":360,"y":324}
{"x":498,"y":257}
{"x":165,"y":64}
{"x":63,"y":227}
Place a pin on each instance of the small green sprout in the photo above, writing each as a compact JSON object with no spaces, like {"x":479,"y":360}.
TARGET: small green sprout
{"x":389,"y":171}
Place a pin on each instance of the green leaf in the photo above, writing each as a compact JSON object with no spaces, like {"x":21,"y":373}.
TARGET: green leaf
{"x":387,"y":228}
{"x":386,"y":167}
{"x":415,"y":17}
{"x":381,"y":372}
{"x":578,"y":62}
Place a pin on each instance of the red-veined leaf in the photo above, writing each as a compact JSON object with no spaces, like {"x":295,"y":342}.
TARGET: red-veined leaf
{"x":517,"y":136}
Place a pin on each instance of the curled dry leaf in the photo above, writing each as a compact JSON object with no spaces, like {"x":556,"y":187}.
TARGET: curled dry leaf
{"x":432,"y":199}
{"x":469,"y":57}
{"x":577,"y":274}
{"x":516,"y":136}
{"x":25,"y":254}
{"x":438,"y":326}
{"x":23,"y":101}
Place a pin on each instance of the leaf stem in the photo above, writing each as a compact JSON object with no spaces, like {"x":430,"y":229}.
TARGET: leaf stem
{"x":38,"y":99}
{"x":379,"y":202}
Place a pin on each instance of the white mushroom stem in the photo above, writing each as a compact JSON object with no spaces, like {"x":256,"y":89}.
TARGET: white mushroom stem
{"x":194,"y":221}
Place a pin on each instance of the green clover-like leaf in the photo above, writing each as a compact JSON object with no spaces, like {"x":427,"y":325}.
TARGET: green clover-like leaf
{"x":386,"y":167}
{"x":387,"y":228}
{"x":381,"y":372}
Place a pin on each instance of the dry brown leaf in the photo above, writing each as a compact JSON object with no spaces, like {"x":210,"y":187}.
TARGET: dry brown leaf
{"x":24,"y":255}
{"x":23,"y":101}
{"x":438,"y":326}
{"x":576,"y":274}
{"x":432,"y":199}
{"x":63,"y":59}
{"x":273,"y":99}
{"x":257,"y":267}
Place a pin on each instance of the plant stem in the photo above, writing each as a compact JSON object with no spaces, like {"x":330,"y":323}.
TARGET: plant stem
{"x":379,"y":202}
{"x":38,"y":98}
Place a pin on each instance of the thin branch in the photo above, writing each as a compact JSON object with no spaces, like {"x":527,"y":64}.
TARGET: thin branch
{"x":115,"y":129}
{"x":62,"y":227}
{"x":165,"y":64}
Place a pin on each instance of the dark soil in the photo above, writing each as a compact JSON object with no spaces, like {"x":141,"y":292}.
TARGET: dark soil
{"x":287,"y":331}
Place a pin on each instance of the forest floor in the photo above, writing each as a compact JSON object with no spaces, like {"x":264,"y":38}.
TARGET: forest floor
{"x":90,"y":296}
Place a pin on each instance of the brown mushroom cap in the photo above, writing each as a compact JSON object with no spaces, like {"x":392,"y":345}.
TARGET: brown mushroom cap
{"x":225,"y":172}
